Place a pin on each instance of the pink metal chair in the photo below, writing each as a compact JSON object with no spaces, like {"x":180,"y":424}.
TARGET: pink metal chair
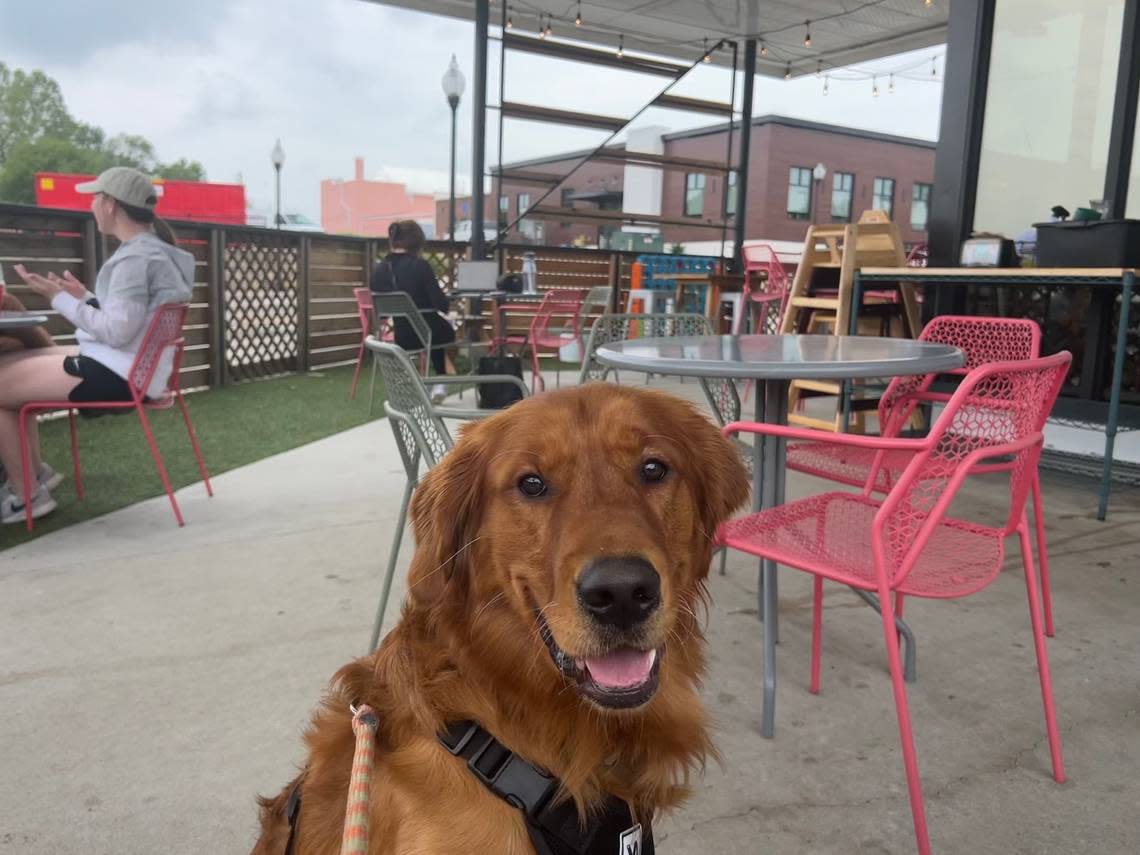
{"x":918,"y":256}
{"x":557,"y":315}
{"x":905,"y":543}
{"x":163,"y":336}
{"x":983,"y":340}
{"x":364,"y":312}
{"x":766,"y":295}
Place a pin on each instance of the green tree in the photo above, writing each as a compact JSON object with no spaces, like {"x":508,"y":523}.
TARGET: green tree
{"x":31,"y":106}
{"x":45,"y":154}
{"x":182,"y":170}
{"x":38,"y":134}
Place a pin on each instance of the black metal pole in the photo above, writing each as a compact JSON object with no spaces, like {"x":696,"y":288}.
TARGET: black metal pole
{"x":454,"y":102}
{"x":479,"y":137}
{"x":277,"y":169}
{"x":745,"y":152}
{"x":1121,"y":138}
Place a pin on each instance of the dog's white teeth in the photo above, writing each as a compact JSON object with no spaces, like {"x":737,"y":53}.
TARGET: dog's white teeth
{"x":652,"y":657}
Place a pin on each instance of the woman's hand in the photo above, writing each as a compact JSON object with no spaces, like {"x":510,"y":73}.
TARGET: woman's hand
{"x":42,"y":285}
{"x":70,"y":284}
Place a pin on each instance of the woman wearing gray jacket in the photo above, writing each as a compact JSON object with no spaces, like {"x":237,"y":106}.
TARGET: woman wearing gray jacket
{"x":145,"y":272}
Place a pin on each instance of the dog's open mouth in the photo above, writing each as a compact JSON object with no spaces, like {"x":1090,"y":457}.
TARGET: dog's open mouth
{"x":623,"y":678}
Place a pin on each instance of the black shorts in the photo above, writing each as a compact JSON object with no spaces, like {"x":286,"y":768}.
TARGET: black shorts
{"x":97,"y":381}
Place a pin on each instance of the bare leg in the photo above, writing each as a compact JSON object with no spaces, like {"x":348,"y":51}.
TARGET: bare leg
{"x":28,"y":376}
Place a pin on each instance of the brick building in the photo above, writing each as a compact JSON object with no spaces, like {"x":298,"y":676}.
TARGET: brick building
{"x":363,"y":207}
{"x":862,"y":170}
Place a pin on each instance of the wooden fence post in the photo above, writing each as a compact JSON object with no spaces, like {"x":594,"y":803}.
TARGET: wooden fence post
{"x":216,"y":278}
{"x":303,"y":256}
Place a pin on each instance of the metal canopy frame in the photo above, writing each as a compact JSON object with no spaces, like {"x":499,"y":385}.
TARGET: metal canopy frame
{"x":614,"y":124}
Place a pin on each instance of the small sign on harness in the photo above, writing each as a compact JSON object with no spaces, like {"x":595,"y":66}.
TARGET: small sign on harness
{"x":630,"y":841}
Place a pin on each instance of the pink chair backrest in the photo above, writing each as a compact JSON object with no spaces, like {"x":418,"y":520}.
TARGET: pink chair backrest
{"x":364,"y":308}
{"x":762,"y":258}
{"x":563,"y":304}
{"x":982,"y":339}
{"x":164,"y":333}
{"x":997,"y":404}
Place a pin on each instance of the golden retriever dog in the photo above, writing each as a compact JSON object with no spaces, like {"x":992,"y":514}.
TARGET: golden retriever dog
{"x":562,"y":549}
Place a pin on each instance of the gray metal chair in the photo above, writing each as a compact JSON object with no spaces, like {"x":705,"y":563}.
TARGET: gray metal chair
{"x":399,"y":304}
{"x":420,"y":434}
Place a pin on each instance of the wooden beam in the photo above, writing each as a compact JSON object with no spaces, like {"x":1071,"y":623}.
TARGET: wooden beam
{"x":576,"y":215}
{"x":523,"y":176}
{"x":675,"y":164}
{"x":594,"y":56}
{"x":534,"y":113}
{"x":693,"y":105}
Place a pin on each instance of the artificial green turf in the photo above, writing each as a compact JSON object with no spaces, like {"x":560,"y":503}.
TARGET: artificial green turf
{"x":236,"y":425}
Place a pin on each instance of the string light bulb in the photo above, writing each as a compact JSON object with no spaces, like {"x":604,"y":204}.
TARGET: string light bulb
{"x":541,"y":28}
{"x":788,"y":72}
{"x":875,"y":87}
{"x":928,"y":3}
{"x":578,"y":17}
{"x":819,"y":69}
{"x":549,"y":29}
{"x":763,"y":49}
{"x":621,"y":46}
{"x":807,"y":33}
{"x":510,"y":23}
{"x":826,"y":85}
{"x":933,"y":68}
{"x":708,"y":56}
{"x":891,"y":86}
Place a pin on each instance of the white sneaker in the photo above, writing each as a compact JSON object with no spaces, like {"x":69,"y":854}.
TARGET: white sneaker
{"x":46,"y":477}
{"x":12,"y":507}
{"x":438,"y":393}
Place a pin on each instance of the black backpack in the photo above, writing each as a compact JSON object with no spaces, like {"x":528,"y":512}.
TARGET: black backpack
{"x":497,"y":396}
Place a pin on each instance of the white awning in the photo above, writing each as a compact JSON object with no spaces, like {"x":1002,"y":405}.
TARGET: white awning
{"x":843,"y":32}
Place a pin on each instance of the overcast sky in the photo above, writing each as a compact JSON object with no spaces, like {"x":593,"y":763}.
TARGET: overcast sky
{"x":219,"y":80}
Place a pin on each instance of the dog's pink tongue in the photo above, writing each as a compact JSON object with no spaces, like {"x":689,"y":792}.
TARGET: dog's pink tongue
{"x":622,"y":668}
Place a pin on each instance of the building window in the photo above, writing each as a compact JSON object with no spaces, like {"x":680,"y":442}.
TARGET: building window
{"x":842,"y":194}
{"x":694,"y":194}
{"x":920,"y":207}
{"x":504,"y":211}
{"x":883,"y":197}
{"x":567,"y":202}
{"x":799,"y":193}
{"x":524,"y":203}
{"x":730,"y":194}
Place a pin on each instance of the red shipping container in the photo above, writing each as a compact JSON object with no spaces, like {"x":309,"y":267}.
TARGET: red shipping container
{"x":201,"y":201}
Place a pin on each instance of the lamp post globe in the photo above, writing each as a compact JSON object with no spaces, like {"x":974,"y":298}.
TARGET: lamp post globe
{"x":818,"y":173}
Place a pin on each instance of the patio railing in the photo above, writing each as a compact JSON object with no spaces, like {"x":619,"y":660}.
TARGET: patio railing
{"x":265,"y":302}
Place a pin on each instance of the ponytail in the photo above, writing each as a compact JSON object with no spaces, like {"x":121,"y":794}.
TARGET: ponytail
{"x":147,"y":216}
{"x":164,"y":231}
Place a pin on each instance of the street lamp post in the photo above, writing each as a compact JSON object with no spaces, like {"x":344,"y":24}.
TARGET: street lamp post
{"x":278,"y":162}
{"x":819,"y":173}
{"x":453,"y":83}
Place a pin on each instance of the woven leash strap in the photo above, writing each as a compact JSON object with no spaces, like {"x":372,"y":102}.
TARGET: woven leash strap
{"x":364,"y":725}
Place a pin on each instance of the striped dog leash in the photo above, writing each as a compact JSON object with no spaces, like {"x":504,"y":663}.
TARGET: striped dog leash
{"x":364,"y":725}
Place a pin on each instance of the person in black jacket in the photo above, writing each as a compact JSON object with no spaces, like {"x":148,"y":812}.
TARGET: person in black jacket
{"x":404,"y":270}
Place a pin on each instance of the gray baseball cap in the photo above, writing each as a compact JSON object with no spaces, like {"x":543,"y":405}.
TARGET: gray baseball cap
{"x":125,"y":184}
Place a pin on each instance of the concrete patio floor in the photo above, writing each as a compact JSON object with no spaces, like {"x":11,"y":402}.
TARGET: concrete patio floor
{"x":153,"y":680}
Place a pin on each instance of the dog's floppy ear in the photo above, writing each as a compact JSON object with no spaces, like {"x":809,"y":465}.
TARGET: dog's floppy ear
{"x":444,"y":517}
{"x":718,"y":476}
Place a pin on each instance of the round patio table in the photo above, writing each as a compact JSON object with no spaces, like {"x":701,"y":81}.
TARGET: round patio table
{"x":20,"y":320}
{"x":773,"y":361}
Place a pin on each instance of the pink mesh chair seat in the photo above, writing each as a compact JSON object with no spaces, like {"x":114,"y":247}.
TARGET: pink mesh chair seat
{"x":983,"y":340}
{"x":366,"y":315}
{"x":830,"y":534}
{"x":905,"y":543}
{"x":558,"y":316}
{"x":163,"y":337}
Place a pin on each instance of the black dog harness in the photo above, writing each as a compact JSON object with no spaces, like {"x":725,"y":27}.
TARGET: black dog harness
{"x":553,"y":826}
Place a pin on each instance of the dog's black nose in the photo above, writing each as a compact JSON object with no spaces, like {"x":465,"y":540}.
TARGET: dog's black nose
{"x":619,"y":592}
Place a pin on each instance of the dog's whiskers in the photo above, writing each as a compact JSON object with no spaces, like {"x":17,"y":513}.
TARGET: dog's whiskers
{"x":447,"y":560}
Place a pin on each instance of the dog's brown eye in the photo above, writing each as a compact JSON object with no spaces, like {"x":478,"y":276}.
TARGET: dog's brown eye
{"x":532,"y":485}
{"x":653,"y":470}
